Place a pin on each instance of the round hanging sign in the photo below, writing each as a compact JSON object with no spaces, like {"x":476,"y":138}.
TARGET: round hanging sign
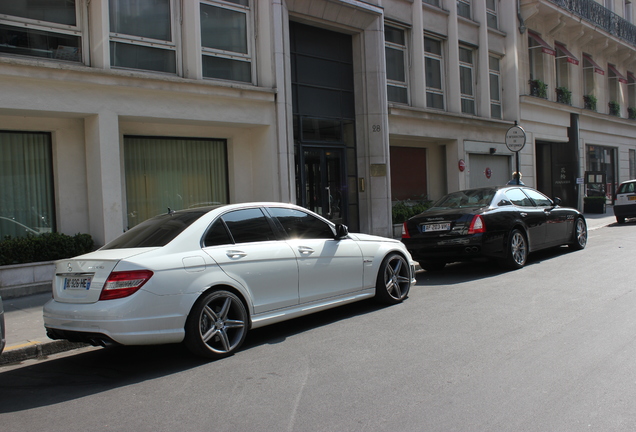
{"x":462,"y":165}
{"x":488,"y":173}
{"x":515,"y":138}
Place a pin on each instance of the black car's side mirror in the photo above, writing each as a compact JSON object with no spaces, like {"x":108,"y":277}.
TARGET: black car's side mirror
{"x":341,"y":231}
{"x":557,"y":201}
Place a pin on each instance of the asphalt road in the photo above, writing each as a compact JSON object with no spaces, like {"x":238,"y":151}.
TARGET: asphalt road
{"x":550,"y":347}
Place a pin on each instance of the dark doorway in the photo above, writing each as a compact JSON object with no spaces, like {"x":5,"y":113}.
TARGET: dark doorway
{"x":323,"y":105}
{"x":557,"y":172}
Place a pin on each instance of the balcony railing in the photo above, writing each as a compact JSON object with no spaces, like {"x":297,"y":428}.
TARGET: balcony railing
{"x":600,"y":16}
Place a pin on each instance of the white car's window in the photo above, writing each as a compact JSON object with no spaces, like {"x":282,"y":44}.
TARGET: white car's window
{"x":626,"y":188}
{"x":217,"y":235}
{"x":298,"y":224}
{"x":249,"y":225}
{"x":539,"y":199}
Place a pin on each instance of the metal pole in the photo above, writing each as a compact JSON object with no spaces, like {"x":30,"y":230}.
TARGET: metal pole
{"x":517,"y":163}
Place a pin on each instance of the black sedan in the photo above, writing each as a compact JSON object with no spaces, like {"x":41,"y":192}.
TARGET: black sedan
{"x":503,"y":223}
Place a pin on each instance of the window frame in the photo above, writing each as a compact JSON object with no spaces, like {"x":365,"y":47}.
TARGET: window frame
{"x":465,"y":66}
{"x":171,"y":45}
{"x":464,"y":9}
{"x":232,"y":55}
{"x":440,"y":59}
{"x":78,"y":30}
{"x":495,"y":73}
{"x":492,"y":15}
{"x":404,"y":49}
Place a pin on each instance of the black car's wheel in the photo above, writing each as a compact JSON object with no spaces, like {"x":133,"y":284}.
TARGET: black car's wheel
{"x":517,"y":253}
{"x":620,"y":220}
{"x":432,"y":266}
{"x":217,"y":325}
{"x":394,"y":280}
{"x":579,"y":234}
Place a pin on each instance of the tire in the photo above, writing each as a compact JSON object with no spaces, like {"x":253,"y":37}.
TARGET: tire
{"x":217,"y":325}
{"x":517,"y":250}
{"x":433,"y":266}
{"x":620,"y":220}
{"x":394,"y":280}
{"x":579,"y":235}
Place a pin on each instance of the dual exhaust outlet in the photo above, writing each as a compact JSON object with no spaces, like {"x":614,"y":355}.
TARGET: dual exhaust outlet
{"x":471,"y":249}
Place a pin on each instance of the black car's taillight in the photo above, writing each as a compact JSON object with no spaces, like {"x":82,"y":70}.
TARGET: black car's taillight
{"x":477,"y":225}
{"x":405,"y":231}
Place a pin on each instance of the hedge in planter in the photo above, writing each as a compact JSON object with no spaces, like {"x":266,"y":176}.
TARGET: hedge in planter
{"x":45,"y":247}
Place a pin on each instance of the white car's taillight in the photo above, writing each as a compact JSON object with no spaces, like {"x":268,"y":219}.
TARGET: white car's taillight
{"x":477,"y":225}
{"x":124,"y":283}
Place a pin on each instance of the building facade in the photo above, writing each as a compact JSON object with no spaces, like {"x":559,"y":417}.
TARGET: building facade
{"x":115,"y":110}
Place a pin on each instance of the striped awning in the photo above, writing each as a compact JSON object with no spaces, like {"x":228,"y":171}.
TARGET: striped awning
{"x":545,"y":47}
{"x":619,"y":75}
{"x":570,"y":57}
{"x":599,"y":70}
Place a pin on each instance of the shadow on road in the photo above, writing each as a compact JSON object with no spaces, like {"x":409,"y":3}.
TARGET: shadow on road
{"x":84,"y":373}
{"x":461,"y":272}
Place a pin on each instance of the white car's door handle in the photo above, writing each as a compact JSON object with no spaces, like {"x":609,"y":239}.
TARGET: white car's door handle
{"x":523,"y":214}
{"x":235,"y":254}
{"x":305,"y":250}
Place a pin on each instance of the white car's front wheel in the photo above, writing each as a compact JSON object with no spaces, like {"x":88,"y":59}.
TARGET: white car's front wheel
{"x":394,"y":279}
{"x":217,"y":325}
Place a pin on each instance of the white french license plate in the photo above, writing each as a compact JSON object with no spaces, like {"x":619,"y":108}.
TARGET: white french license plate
{"x":436,"y":227}
{"x":77,"y":283}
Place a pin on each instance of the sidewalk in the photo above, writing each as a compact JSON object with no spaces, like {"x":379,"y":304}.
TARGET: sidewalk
{"x":26,"y":337}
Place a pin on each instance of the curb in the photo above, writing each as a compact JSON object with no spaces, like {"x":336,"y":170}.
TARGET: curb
{"x":37,"y":350}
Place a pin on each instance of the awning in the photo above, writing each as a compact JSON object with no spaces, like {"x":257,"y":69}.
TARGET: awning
{"x":619,"y":75}
{"x":568,"y":54}
{"x":631,"y":76}
{"x":599,"y":70}
{"x":545,"y":47}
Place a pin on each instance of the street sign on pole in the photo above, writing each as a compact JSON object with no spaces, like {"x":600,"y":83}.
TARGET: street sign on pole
{"x":515,"y":138}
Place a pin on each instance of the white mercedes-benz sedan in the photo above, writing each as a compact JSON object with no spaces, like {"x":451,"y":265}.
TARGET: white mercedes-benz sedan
{"x":205,"y":276}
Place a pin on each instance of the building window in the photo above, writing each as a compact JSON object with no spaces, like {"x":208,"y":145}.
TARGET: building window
{"x":26,"y":189}
{"x":175,"y":173}
{"x":49,"y":30}
{"x":433,"y":66}
{"x":395,"y":51}
{"x":615,"y":79}
{"x":629,"y":14}
{"x":141,"y":35}
{"x":225,"y":40}
{"x":466,"y":74}
{"x":433,"y":2}
{"x":463,"y":8}
{"x":491,"y":14}
{"x":537,"y":47}
{"x":631,"y":96}
{"x":494,"y":71}
{"x":632,"y":163}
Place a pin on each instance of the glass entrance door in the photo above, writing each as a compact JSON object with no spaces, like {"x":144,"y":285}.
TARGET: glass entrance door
{"x":324,"y":182}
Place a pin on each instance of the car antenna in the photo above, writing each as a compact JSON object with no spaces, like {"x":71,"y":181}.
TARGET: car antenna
{"x":170,"y":211}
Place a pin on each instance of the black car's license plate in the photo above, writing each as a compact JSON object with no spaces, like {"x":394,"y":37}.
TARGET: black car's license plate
{"x":436,"y":227}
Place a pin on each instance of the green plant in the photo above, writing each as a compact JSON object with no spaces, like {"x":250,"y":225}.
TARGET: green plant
{"x":538,"y":88}
{"x":44,"y":247}
{"x":614,"y":108}
{"x":590,"y":102}
{"x":564,"y":95}
{"x":631,"y":113}
{"x":594,"y":199}
{"x":406,"y":209}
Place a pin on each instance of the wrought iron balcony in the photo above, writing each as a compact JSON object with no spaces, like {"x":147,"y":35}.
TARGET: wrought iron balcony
{"x":594,"y":13}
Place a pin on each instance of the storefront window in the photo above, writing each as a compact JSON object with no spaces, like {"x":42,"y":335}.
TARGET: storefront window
{"x":602,"y":160}
{"x":173,"y":173}
{"x":26,"y":184}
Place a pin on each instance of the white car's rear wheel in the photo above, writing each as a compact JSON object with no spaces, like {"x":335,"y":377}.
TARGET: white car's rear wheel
{"x":217,"y":325}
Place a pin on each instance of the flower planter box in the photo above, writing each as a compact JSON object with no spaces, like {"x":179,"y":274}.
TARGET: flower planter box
{"x":594,"y":207}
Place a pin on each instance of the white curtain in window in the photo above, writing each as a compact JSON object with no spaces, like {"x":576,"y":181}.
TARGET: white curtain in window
{"x":26,"y":185}
{"x":173,"y":173}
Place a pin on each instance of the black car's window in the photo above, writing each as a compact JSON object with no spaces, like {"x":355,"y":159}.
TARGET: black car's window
{"x":518,"y":198}
{"x":217,"y":235}
{"x":539,"y":199}
{"x":467,"y":198}
{"x":248,"y":225}
{"x":298,"y":224}
{"x":158,"y":231}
